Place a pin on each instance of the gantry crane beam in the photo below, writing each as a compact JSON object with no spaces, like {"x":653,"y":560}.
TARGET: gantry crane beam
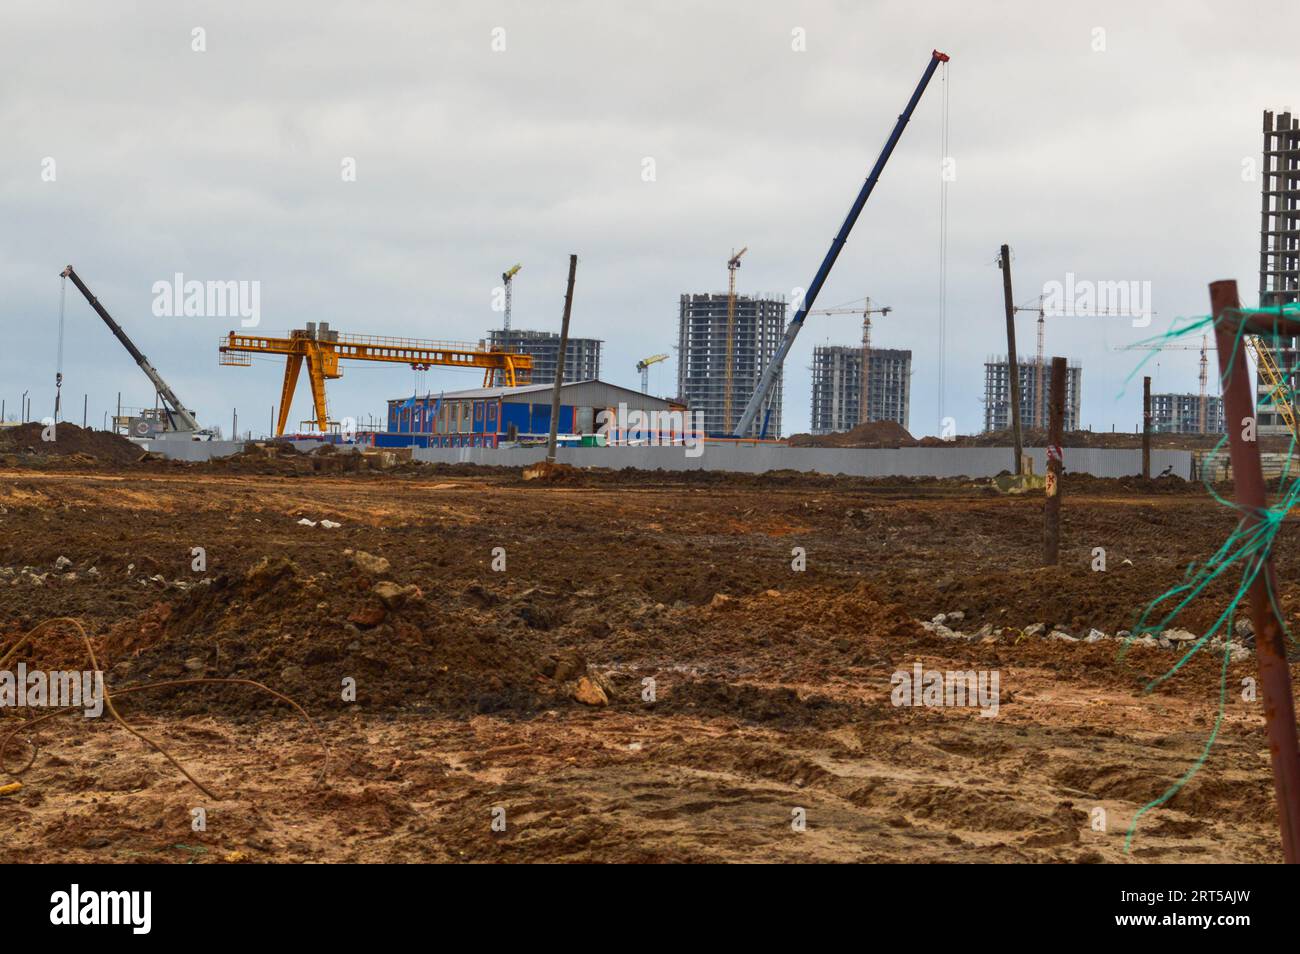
{"x":322,"y":350}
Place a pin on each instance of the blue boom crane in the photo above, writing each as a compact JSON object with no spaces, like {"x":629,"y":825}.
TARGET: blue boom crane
{"x":761,"y":398}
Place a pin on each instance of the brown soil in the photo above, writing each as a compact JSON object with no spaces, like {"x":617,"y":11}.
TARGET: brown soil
{"x":771,"y":687}
{"x":871,"y":434}
{"x":27,"y":443}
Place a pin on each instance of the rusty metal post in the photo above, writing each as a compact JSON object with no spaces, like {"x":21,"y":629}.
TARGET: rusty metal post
{"x":559,"y":363}
{"x":1270,"y":649}
{"x":1146,"y":428}
{"x":1055,"y":464}
{"x":1013,"y":368}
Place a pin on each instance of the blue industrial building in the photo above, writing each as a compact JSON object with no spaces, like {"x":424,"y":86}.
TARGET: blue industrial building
{"x":493,"y":417}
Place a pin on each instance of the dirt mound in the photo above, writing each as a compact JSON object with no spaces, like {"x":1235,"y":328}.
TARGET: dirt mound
{"x":28,"y":441}
{"x":307,"y":635}
{"x":282,"y":458}
{"x":871,"y":434}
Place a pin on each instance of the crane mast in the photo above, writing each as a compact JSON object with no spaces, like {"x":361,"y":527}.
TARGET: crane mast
{"x":644,"y":367}
{"x":171,"y":402}
{"x":733,"y":263}
{"x":764,"y":392}
{"x":508,"y":277}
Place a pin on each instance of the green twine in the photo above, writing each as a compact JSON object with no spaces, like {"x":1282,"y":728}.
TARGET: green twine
{"x":1247,"y":547}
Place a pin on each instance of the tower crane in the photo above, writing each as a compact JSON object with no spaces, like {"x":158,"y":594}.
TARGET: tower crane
{"x":321,"y":349}
{"x":1040,"y":395}
{"x":1265,"y":366}
{"x":733,"y":263}
{"x":1279,"y":392}
{"x":866,"y":312}
{"x":508,"y":278}
{"x":644,"y":367}
{"x":1202,"y":408}
{"x":1036,"y":419}
{"x":763,"y":394}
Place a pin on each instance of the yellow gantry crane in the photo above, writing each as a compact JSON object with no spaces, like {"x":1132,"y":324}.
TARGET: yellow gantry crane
{"x":733,"y":263}
{"x":321,"y":348}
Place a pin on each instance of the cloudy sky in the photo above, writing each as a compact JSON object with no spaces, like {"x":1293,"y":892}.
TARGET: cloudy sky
{"x":1108,"y":140}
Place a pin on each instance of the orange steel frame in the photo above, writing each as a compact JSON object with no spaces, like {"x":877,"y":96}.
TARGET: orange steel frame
{"x":322,"y":359}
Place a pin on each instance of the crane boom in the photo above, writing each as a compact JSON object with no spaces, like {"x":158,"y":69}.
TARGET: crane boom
{"x":766,"y":383}
{"x":168,"y":396}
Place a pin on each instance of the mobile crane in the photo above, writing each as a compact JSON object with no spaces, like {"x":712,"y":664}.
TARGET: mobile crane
{"x":174,"y":415}
{"x":761,"y":399}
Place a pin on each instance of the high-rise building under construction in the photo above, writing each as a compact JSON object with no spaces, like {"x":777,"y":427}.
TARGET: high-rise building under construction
{"x":757,"y":328}
{"x":581,"y":356}
{"x":1034,"y":407}
{"x":837,"y":387}
{"x":1279,"y":250}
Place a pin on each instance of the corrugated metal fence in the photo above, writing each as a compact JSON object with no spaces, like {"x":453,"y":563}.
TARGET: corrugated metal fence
{"x":885,"y":462}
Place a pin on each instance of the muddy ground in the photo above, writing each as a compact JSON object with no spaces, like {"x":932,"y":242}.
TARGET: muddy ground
{"x":771,"y":686}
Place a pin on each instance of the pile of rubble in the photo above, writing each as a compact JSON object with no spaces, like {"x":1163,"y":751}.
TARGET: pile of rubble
{"x":1242,"y":647}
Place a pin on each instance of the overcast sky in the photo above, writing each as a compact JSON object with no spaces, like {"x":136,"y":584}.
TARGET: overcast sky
{"x":1118,"y":163}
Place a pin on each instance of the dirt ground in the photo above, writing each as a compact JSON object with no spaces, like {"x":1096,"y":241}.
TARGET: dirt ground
{"x":771,"y":686}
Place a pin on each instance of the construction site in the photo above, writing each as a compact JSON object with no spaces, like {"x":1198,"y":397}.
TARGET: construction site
{"x":570,"y":590}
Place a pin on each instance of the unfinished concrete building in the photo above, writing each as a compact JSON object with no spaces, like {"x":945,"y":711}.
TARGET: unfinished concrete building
{"x":702,"y":357}
{"x":1181,"y":414}
{"x":581,"y":357}
{"x":1279,"y":248}
{"x":1034,"y":407}
{"x":837,"y":387}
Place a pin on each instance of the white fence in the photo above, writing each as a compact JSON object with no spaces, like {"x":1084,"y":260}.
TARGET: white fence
{"x":884,"y":462}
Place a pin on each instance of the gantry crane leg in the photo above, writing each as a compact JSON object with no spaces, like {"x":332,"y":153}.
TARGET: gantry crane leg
{"x":292,"y":365}
{"x":316,"y":375}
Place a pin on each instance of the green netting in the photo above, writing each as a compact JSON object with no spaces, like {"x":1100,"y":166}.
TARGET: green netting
{"x":1245,"y":550}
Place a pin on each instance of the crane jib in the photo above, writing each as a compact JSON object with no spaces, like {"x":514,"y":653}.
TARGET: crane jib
{"x":763,"y":392}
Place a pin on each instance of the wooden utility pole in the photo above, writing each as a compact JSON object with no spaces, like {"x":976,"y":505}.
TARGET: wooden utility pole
{"x":1055,"y":427}
{"x":559,"y":363}
{"x":1146,"y":428}
{"x":1270,"y":647}
{"x":1013,"y":369}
